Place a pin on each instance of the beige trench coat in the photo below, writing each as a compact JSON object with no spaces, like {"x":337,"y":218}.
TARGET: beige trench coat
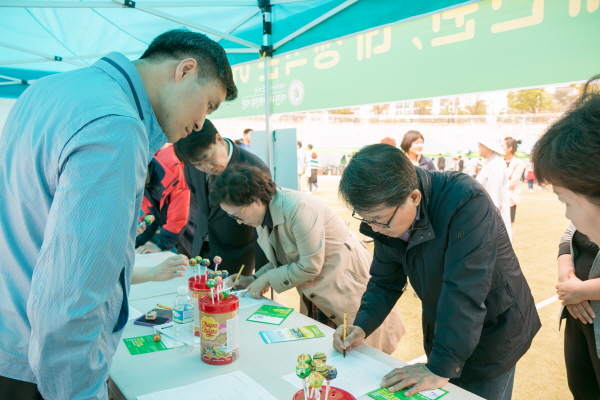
{"x":312,"y":249}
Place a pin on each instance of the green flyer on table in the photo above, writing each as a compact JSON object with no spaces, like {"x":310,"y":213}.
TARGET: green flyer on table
{"x":270,"y":315}
{"x":143,"y":345}
{"x":384,"y":394}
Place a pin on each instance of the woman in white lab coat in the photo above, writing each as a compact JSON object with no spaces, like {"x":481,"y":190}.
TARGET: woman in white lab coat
{"x":494,"y":177}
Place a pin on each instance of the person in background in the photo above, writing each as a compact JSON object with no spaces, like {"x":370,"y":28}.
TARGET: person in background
{"x":206,"y":154}
{"x":308,"y":154}
{"x":246,"y":139}
{"x":441,"y":231}
{"x":308,"y":247}
{"x":313,"y":166}
{"x":412,"y":144}
{"x":167,"y":198}
{"x":461,"y":164}
{"x":343,"y":163}
{"x":494,"y":177}
{"x":441,"y":161}
{"x":516,"y":167}
{"x":73,"y":159}
{"x":301,"y":165}
{"x":389,"y":140}
{"x":567,"y":157}
{"x":530,"y":177}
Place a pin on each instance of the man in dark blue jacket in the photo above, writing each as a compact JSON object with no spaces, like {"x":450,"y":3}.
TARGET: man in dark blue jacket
{"x":442,"y":231}
{"x":210,"y":231}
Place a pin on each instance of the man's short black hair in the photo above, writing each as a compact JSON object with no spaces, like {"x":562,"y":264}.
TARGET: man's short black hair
{"x":190,"y":148}
{"x":212,"y":60}
{"x":378,"y":176}
{"x":568,"y":154}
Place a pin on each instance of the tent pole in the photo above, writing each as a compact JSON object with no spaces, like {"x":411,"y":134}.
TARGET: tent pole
{"x":267,"y":53}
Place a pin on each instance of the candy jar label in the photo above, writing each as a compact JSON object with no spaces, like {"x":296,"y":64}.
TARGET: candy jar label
{"x":209,"y":327}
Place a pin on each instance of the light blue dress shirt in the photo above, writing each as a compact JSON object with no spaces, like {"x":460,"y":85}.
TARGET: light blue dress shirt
{"x":73,"y":160}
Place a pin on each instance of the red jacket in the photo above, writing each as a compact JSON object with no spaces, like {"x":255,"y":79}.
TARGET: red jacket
{"x":167,"y":197}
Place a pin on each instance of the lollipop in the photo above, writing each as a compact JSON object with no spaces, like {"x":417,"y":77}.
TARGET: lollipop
{"x":205,"y":263}
{"x":302,"y":371}
{"x":304,"y":358}
{"x":331,"y":374}
{"x":315,"y":380}
{"x":217,"y":260}
{"x":211,"y":284}
{"x":225,"y":274}
{"x":193,"y":263}
{"x":225,"y":295}
{"x":321,"y":368}
{"x":198,"y":259}
{"x":320,"y":356}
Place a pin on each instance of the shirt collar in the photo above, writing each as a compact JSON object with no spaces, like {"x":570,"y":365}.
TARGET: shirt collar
{"x":406,"y":235}
{"x":122,"y":70}
{"x":230,"y":150}
{"x":268,"y":220}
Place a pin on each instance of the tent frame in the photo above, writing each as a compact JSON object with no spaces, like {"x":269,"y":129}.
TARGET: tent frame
{"x":266,"y":49}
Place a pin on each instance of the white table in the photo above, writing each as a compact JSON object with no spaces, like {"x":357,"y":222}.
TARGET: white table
{"x":132,"y":376}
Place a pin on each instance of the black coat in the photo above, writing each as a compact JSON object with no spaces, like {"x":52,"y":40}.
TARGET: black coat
{"x":235,"y":243}
{"x":479,"y":316}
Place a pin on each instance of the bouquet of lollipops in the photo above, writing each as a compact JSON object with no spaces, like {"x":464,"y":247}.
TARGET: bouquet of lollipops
{"x":316,"y":375}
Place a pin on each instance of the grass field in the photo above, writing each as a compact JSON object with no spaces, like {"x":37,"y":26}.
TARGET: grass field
{"x":540,"y":222}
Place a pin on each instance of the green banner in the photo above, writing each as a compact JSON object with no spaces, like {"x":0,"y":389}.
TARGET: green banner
{"x":483,"y":46}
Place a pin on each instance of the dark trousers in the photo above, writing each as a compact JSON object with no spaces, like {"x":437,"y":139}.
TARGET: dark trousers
{"x":581,"y":359}
{"x":18,"y":390}
{"x":498,"y":388}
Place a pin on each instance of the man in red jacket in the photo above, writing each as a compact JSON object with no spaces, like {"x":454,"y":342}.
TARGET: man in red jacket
{"x":167,"y":197}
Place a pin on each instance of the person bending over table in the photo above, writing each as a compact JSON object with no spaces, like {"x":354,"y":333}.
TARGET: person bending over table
{"x":206,"y":154}
{"x":441,"y":230}
{"x":567,"y":157}
{"x":308,"y":247}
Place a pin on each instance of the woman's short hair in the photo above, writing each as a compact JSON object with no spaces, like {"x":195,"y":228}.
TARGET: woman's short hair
{"x":242,"y":185}
{"x":409,"y":138}
{"x":512,"y":143}
{"x":189,"y":149}
{"x":568,"y":154}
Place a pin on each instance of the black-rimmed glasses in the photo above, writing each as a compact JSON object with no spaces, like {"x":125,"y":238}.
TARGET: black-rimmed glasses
{"x":238,"y":218}
{"x":386,"y":225}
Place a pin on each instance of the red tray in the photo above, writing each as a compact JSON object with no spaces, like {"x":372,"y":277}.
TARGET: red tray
{"x":334,"y":394}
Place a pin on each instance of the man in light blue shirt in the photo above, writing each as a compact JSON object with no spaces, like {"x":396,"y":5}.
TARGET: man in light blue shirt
{"x":73,"y":160}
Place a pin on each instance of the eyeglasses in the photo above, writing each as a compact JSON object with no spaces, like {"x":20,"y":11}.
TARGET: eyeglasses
{"x":239,"y":215}
{"x":386,"y":225}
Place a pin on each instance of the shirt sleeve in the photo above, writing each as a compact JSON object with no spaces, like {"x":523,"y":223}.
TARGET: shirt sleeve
{"x":383,"y":290}
{"x":495,"y":186}
{"x":76,"y":295}
{"x":308,"y":229}
{"x":468,"y":267}
{"x":565,"y":241}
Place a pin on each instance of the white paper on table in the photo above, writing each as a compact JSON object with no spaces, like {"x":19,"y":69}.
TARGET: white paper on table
{"x":249,"y":301}
{"x":233,"y":386}
{"x":357,"y":373}
{"x":167,"y":330}
{"x":134,"y":314}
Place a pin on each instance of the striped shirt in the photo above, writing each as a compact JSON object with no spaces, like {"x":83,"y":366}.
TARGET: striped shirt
{"x":73,"y":160}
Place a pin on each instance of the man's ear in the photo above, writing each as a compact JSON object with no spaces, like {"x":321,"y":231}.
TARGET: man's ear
{"x":186,"y":68}
{"x":416,"y":197}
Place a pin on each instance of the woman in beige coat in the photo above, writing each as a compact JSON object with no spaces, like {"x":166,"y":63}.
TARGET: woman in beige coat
{"x":308,"y":246}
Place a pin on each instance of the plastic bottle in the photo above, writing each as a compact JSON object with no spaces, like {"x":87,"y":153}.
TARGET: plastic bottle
{"x":183,"y":321}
